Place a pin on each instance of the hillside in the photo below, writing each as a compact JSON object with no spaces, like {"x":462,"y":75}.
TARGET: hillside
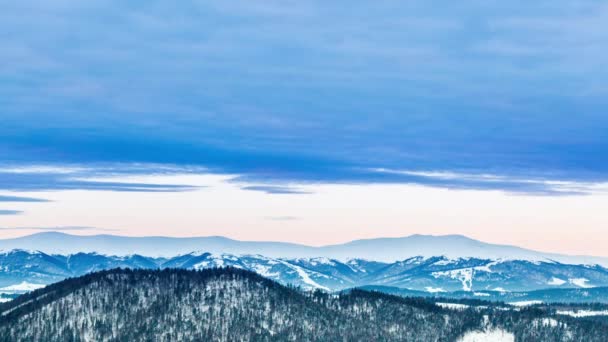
{"x":231,"y":304}
{"x":213,"y":305}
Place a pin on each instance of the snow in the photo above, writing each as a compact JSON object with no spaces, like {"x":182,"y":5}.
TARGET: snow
{"x":413,"y":260}
{"x":465,"y":275}
{"x":526,"y":303}
{"x":486,"y":268}
{"x":580,"y":282}
{"x":445,"y":261}
{"x":4,"y":300}
{"x":556,"y":281}
{"x":434,"y":289}
{"x":547,"y":322}
{"x":20,"y":250}
{"x":264,"y":271}
{"x":453,"y":306}
{"x":217,"y":260}
{"x":583,"y":313}
{"x":500,"y":289}
{"x":353,"y":262}
{"x":355,"y":267}
{"x":481,"y":294}
{"x":305,"y":277}
{"x":24,"y":286}
{"x":321,"y":260}
{"x":494,"y":335}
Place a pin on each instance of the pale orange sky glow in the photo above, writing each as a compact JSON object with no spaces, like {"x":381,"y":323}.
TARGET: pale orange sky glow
{"x":323,"y":213}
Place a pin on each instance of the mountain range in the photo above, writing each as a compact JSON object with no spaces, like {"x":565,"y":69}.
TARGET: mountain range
{"x":381,"y":249}
{"x":450,"y":266}
{"x":22,"y":270}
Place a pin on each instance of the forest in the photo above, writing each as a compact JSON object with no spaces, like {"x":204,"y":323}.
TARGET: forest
{"x":228,"y":304}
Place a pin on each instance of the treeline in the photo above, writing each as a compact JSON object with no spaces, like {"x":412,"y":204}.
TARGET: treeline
{"x":236,"y":305}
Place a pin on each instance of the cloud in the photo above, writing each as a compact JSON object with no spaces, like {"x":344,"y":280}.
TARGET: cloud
{"x":304,"y":93}
{"x":275,"y":189}
{"x":50,"y":178}
{"x":20,"y":199}
{"x":511,"y":184}
{"x":10,"y":212}
{"x":57,"y":178}
{"x":60,"y":228}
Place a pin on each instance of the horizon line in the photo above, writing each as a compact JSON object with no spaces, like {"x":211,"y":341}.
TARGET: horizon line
{"x":305,"y":245}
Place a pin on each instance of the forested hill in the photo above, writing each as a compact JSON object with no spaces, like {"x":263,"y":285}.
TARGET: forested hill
{"x":236,"y":305}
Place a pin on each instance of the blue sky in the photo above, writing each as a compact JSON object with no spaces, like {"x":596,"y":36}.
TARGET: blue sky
{"x":276,"y":93}
{"x":308,"y":90}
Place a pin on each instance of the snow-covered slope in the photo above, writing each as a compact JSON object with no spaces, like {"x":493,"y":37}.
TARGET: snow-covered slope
{"x":383,"y":249}
{"x":438,"y":274}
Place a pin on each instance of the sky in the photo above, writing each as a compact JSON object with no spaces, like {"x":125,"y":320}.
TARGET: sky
{"x":307,"y":121}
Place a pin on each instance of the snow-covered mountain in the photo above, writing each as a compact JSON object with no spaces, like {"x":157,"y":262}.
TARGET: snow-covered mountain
{"x":383,"y":249}
{"x":428,"y":274}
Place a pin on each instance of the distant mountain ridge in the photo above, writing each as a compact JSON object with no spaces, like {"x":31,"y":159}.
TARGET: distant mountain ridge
{"x":21,"y":269}
{"x":381,"y":249}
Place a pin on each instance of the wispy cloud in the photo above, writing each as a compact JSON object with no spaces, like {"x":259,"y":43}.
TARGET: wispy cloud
{"x":275,"y":189}
{"x":512,"y":184}
{"x":304,"y":92}
{"x":78,"y":178}
{"x":10,"y":212}
{"x":101,"y":178}
{"x":20,"y":199}
{"x":61,"y":228}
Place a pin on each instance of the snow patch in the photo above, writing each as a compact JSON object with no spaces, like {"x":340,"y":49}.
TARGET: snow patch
{"x":556,"y":281}
{"x":493,"y":335}
{"x":583,"y":313}
{"x":322,"y":261}
{"x":445,"y":261}
{"x":434,"y":289}
{"x":526,"y":303}
{"x":264,"y":271}
{"x":304,"y":276}
{"x":547,"y":322}
{"x":453,"y":306}
{"x":413,"y":260}
{"x":486,"y":267}
{"x":580,"y":282}
{"x":465,"y":275}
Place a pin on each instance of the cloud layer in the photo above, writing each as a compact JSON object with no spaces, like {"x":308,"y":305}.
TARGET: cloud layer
{"x":308,"y":92}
